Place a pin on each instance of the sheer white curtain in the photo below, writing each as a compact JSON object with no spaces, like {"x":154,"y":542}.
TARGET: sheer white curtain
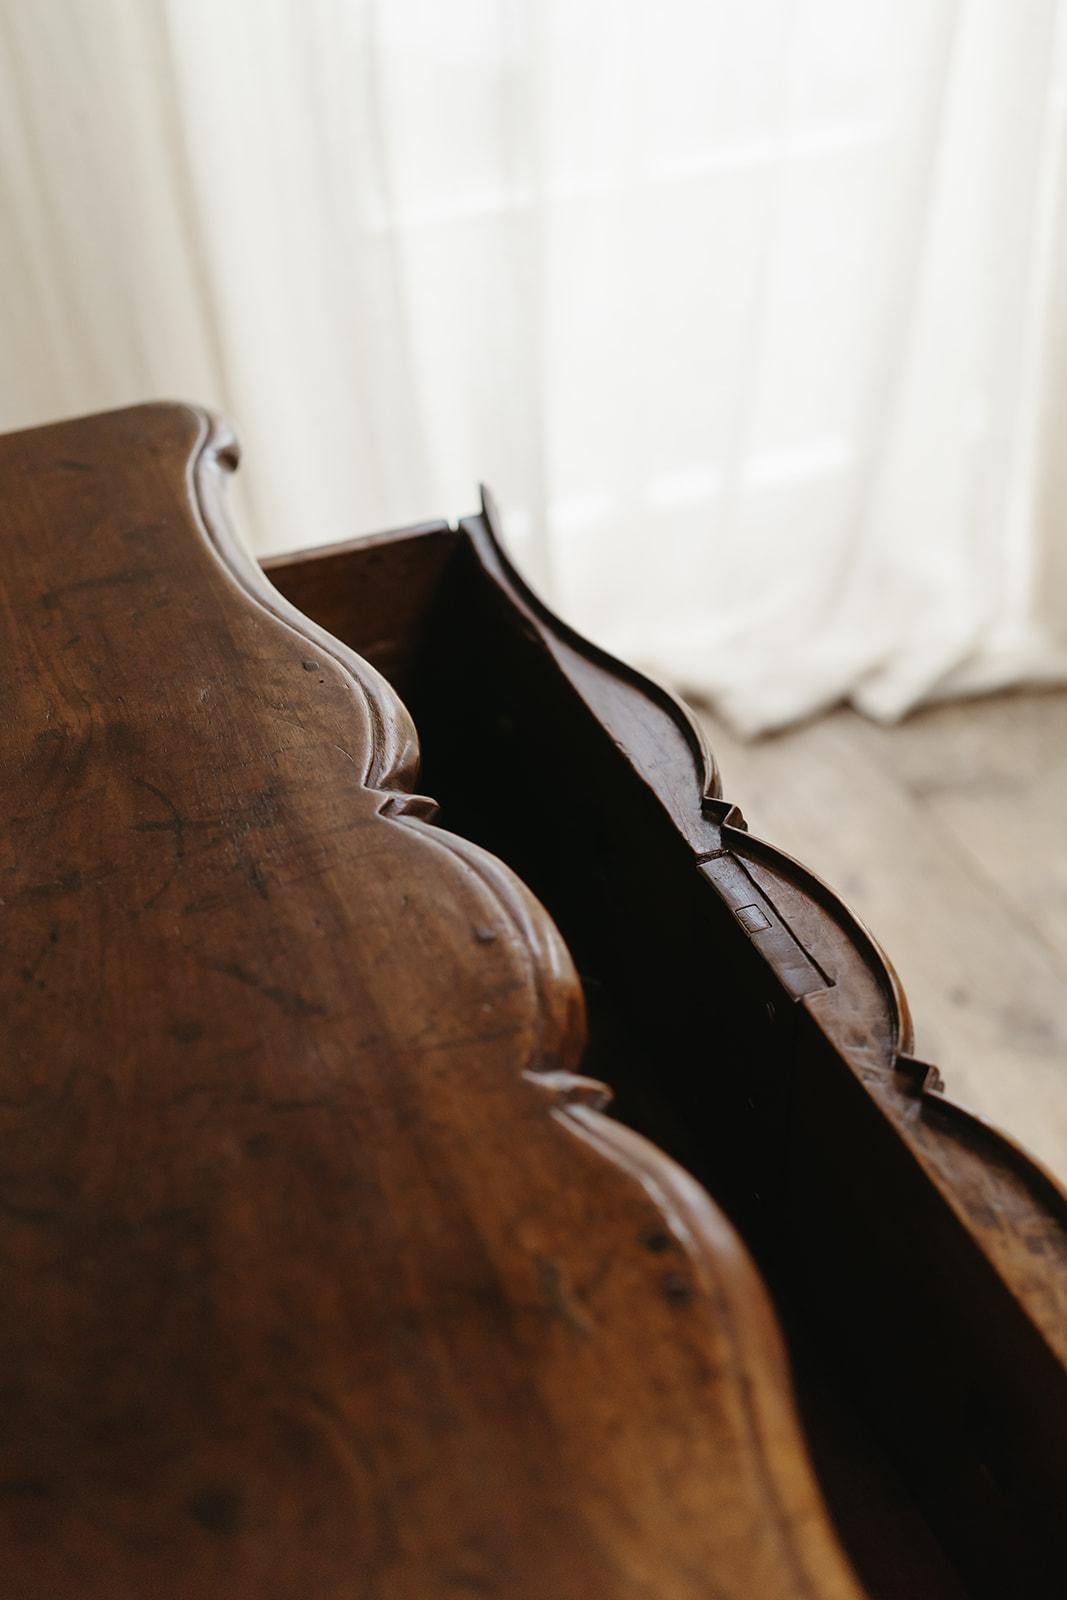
{"x":753,"y":315}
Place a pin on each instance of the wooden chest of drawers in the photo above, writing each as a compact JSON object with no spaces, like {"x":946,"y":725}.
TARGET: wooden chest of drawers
{"x":524,"y":1191}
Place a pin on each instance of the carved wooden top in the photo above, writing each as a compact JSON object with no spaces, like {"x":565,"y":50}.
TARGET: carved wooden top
{"x":324,"y":1275}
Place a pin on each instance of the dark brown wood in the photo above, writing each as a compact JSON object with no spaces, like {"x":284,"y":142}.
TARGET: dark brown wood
{"x":752,"y":1027}
{"x":394,"y":577}
{"x":326,"y":1274}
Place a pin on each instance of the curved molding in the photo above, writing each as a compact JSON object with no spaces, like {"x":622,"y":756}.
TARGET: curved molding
{"x":394,"y":755}
{"x":809,"y":1562}
{"x":393,"y":761}
{"x":920,"y":1081}
{"x":706,"y":769}
{"x":923,"y":1079}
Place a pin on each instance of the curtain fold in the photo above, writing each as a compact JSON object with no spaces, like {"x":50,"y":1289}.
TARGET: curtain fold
{"x":753,"y":316}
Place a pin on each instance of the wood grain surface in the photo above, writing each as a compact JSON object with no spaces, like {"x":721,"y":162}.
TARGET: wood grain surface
{"x":324,"y":1273}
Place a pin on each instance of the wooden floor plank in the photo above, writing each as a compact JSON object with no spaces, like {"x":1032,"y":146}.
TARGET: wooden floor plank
{"x":995,"y":774}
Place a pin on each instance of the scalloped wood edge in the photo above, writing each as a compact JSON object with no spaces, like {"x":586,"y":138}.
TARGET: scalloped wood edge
{"x":814,"y":1563}
{"x":708,"y":799}
{"x":979,"y":1153}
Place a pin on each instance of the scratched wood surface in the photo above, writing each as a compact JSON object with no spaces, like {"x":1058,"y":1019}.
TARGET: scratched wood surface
{"x":323,"y":1273}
